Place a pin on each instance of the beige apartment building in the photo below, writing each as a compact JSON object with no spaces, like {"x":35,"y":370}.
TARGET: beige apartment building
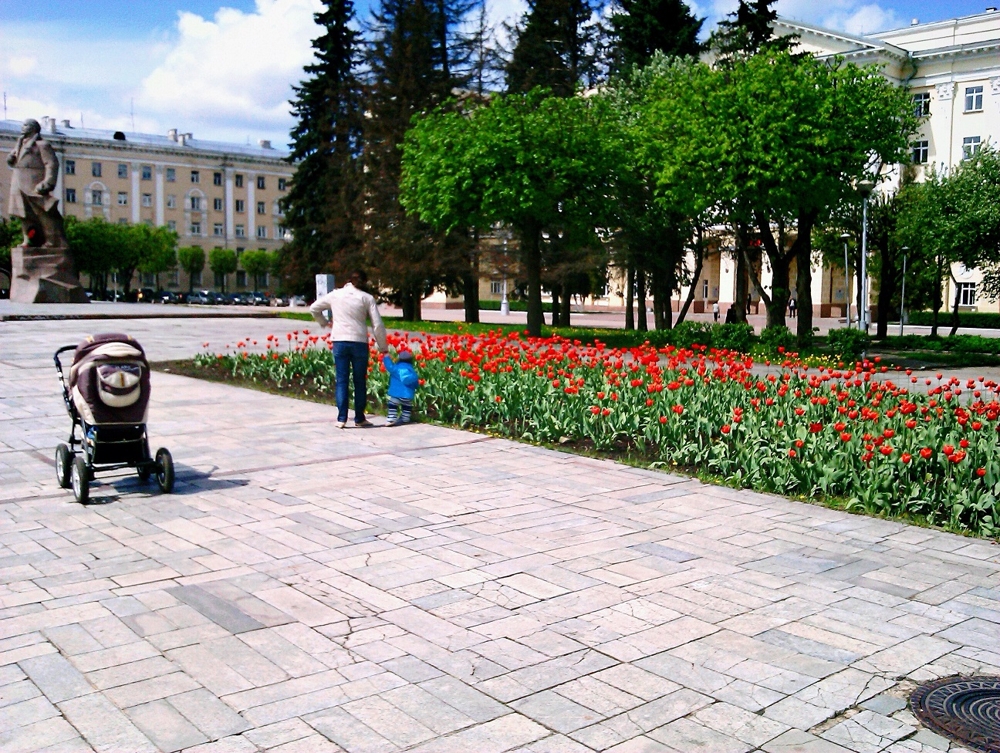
{"x":213,"y":194}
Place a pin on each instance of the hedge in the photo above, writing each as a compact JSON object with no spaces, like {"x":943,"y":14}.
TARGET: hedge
{"x":970,"y":319}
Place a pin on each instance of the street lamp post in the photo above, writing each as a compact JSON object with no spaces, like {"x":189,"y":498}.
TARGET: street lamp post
{"x":865,"y":188}
{"x":504,"y":303}
{"x":847,"y":278}
{"x":902,"y":295}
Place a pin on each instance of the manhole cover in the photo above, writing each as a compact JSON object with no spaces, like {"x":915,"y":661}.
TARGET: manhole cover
{"x":966,"y":709}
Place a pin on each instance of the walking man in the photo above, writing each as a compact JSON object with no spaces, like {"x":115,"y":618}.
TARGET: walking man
{"x":348,"y":311}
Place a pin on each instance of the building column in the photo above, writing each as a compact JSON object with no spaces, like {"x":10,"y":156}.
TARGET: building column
{"x":251,"y":207}
{"x":228,"y":201}
{"x":159,"y":198}
{"x":818,"y":273}
{"x":727,"y":279}
{"x":136,"y":171}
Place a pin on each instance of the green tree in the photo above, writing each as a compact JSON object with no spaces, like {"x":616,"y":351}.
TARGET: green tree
{"x":158,"y":252}
{"x":10,"y":236}
{"x":222,"y":262}
{"x":644,"y":27}
{"x":256,"y":263}
{"x":321,"y":206}
{"x":747,"y":31}
{"x":192,"y":260}
{"x":533,"y":162}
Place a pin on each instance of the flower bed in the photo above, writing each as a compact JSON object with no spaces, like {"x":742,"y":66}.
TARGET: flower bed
{"x":856,"y":434}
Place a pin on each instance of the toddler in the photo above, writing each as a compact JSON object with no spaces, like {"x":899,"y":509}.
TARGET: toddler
{"x":403,"y":381}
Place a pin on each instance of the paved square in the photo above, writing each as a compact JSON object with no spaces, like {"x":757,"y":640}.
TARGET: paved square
{"x":309,"y":589}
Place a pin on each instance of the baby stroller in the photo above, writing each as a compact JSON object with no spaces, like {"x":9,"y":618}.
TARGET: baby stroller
{"x":107,"y":396}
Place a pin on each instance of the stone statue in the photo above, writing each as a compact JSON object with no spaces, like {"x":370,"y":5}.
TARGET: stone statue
{"x":42,"y":268}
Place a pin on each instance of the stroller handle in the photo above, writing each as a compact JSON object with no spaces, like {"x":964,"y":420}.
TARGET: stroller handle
{"x":59,"y":352}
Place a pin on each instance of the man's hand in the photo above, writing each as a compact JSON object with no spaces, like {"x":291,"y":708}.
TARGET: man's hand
{"x":43,"y":189}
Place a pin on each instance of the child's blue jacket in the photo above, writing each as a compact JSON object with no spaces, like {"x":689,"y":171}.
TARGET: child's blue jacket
{"x":403,"y":379}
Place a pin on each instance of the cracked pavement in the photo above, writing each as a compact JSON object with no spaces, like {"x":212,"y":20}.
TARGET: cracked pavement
{"x":426,"y":589}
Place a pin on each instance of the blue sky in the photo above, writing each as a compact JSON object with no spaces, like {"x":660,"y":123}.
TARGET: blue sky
{"x":224,"y":69}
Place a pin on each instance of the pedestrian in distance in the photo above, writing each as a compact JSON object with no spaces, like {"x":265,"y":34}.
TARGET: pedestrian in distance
{"x":792,"y":307}
{"x":403,"y":382}
{"x":347,"y":312}
{"x":715,"y":311}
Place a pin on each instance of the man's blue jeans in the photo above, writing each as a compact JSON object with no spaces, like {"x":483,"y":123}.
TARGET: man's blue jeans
{"x":348,"y":356}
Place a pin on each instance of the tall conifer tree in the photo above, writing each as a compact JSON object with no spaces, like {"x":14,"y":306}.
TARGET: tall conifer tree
{"x":321,"y":204}
{"x":644,"y":27}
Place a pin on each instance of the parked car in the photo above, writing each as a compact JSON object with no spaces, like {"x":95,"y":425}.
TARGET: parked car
{"x":278,"y":301}
{"x":202,"y":298}
{"x":257,"y":299}
{"x":145,"y":295}
{"x":219,"y":299}
{"x":238,"y":299}
{"x":169,"y":296}
{"x":297,"y":300}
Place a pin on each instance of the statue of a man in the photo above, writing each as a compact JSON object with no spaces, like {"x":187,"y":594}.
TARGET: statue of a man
{"x":42,"y":269}
{"x":36,"y":170}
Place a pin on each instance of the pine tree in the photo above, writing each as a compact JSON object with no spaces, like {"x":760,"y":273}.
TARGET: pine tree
{"x":644,"y":27}
{"x":748,"y":30}
{"x":320,"y":206}
{"x":411,"y":71}
{"x":556,"y":46}
{"x":481,"y":60}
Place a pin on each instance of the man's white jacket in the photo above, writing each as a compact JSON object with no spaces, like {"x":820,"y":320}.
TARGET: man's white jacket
{"x":350,"y":310}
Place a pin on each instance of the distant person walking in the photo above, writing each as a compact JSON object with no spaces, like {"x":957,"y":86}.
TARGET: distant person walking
{"x":715,"y":311}
{"x":792,"y":308}
{"x":347,"y":311}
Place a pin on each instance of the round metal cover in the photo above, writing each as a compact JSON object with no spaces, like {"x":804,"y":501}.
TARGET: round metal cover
{"x":965,"y":709}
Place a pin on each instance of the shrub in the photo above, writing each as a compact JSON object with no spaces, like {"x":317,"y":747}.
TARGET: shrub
{"x":971,"y":319}
{"x":686,"y":334}
{"x":733,"y":336}
{"x":778,"y":339}
{"x":849,"y":344}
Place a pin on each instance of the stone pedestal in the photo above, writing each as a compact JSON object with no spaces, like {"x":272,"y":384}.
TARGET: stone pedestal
{"x":44,"y":275}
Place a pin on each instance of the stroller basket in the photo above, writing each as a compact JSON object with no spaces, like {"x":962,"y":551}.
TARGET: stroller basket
{"x":107,"y":397}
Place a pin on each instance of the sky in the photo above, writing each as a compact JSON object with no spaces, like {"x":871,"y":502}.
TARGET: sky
{"x":224,"y":69}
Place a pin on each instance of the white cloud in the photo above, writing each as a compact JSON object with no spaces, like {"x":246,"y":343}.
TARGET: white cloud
{"x":231,"y":77}
{"x":852,"y":16}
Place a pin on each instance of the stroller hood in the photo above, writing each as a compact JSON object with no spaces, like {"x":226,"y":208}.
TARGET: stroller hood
{"x":109,"y":380}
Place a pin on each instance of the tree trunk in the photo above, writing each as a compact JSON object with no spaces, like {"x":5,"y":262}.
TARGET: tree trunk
{"x":803,"y":280}
{"x":777,"y":302}
{"x":938,"y":298}
{"x":630,"y":298}
{"x":699,"y":260}
{"x":742,"y":278}
{"x":470,"y":286}
{"x":417,"y":310}
{"x":640,"y":282}
{"x":954,"y":310}
{"x":565,"y":304}
{"x":533,"y":272}
{"x":556,"y":292}
{"x":886,"y":290}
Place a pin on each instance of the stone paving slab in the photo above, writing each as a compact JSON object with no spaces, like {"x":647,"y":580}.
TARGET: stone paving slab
{"x":310,"y":589}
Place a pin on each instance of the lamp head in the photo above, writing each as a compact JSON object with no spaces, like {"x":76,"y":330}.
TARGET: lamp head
{"x":865,"y":188}
{"x":845,"y":237}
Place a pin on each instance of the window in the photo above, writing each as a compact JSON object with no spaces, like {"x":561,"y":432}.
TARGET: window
{"x":261,"y":207}
{"x":175,"y":278}
{"x":147,"y":223}
{"x":241,"y":206}
{"x":241,"y":278}
{"x":196,"y":280}
{"x":195,"y":176}
{"x":71,"y":196}
{"x":279,"y":232}
{"x":217,"y":228}
{"x":95,"y":169}
{"x":922,"y":104}
{"x":171,"y":175}
{"x":971,"y":145}
{"x":69,"y":168}
{"x":973,"y":98}
{"x":261,"y":183}
{"x":147,"y":172}
{"x":966,"y":294}
{"x":216,"y":179}
{"x":122,"y":221}
{"x":704,"y":289}
{"x":217,"y":205}
{"x":281,"y":184}
{"x":239,"y":181}
{"x":97,"y":198}
{"x":172,"y":225}
{"x":920,"y":152}
{"x":196,"y":203}
{"x":195,"y":228}
{"x":496,"y":287}
{"x":241,"y":231}
{"x":147,"y":199}
{"x":171,"y":201}
{"x":148,"y":279}
{"x":122,"y":170}
{"x":261,"y":231}
{"x":220,"y":280}
{"x":122,"y":199}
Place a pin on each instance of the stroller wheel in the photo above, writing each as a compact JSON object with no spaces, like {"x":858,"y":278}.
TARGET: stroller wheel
{"x":80,"y":478}
{"x":164,"y":470}
{"x":64,"y":466}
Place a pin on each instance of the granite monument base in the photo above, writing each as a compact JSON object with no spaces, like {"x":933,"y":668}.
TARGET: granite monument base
{"x":44,"y":275}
